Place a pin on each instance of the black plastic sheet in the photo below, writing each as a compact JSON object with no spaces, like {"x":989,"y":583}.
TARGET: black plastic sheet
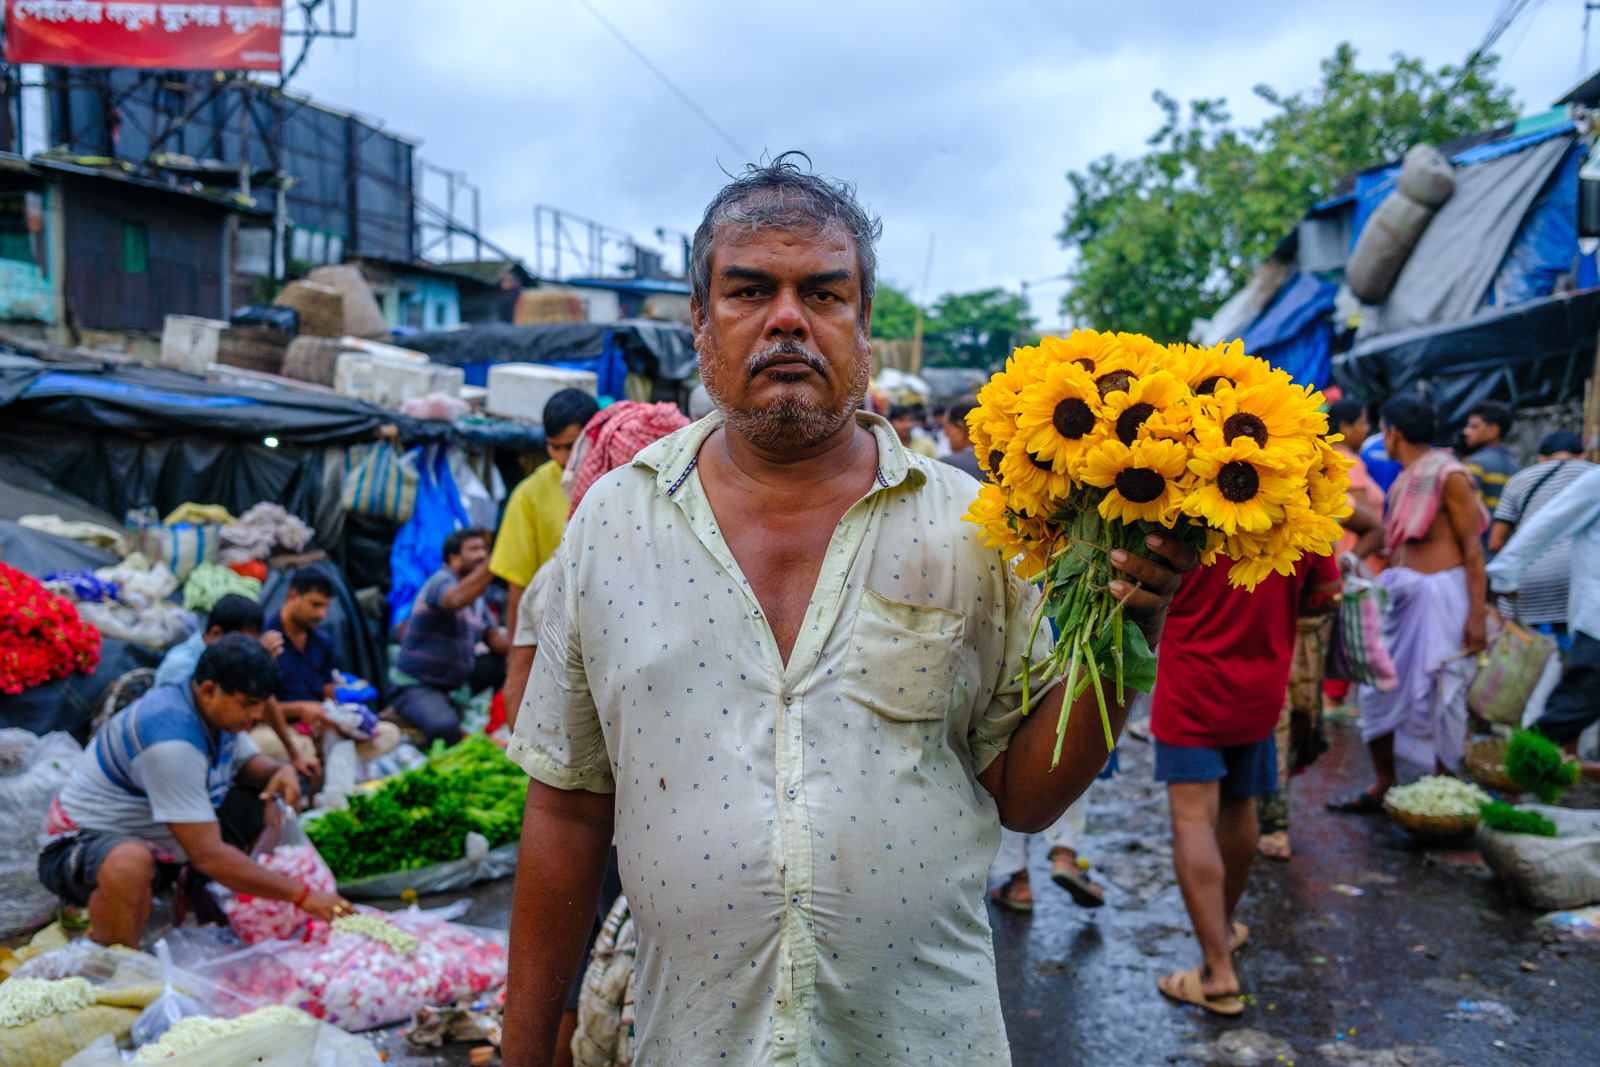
{"x":117,"y":471}
{"x":654,"y":349}
{"x":1531,"y":355}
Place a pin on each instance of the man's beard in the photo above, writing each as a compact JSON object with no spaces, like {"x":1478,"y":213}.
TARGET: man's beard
{"x":791,"y":424}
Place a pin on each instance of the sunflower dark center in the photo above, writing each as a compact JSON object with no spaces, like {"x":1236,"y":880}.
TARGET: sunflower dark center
{"x":1086,"y":364}
{"x":1114,"y":381}
{"x":1245,"y":424}
{"x":1209,"y":385}
{"x":1129,"y":421}
{"x":1073,"y":418}
{"x":1139,"y":485}
{"x":1238,"y":481}
{"x":1041,"y":464}
{"x":994,"y":464}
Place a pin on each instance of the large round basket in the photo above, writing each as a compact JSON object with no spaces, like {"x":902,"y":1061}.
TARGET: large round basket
{"x":1486,"y":762}
{"x":1433,"y":829}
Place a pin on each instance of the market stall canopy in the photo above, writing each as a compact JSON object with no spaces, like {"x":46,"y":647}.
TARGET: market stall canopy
{"x":1537,"y":353}
{"x":660,"y":350}
{"x":135,"y":398}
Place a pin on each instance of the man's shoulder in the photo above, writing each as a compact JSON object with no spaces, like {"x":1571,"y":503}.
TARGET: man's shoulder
{"x":166,"y":713}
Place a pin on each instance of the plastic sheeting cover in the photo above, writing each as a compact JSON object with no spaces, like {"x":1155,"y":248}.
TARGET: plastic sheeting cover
{"x":1546,"y":244}
{"x":1536,"y":353}
{"x":155,"y":400}
{"x":1448,"y":273}
{"x":654,"y":349}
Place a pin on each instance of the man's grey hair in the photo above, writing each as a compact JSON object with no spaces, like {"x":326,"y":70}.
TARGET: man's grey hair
{"x":782,"y":195}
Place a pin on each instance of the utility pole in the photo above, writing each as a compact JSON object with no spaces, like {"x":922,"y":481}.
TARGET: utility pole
{"x":916,"y":330}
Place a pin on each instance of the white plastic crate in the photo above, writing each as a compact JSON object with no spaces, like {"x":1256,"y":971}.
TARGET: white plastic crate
{"x":190,"y":343}
{"x":519,"y":390}
{"x":391,"y":382}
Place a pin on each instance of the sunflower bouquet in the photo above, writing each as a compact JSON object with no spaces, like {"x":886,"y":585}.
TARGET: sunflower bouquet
{"x":1094,"y":441}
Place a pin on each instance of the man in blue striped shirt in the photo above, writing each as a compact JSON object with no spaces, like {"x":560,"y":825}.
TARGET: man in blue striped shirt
{"x":143,"y":800}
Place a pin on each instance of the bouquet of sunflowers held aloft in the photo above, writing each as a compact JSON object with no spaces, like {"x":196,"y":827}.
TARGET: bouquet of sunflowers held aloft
{"x":1096,"y":440}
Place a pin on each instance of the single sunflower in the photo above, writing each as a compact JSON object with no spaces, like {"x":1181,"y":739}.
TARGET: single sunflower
{"x":1256,"y":556}
{"x":1124,"y":357}
{"x":1328,"y":483}
{"x":1032,"y":484}
{"x":1272,"y":414}
{"x":1153,"y":405}
{"x":1059,"y":417}
{"x":1241,"y":487}
{"x":1207,"y":369}
{"x":1143,"y":481}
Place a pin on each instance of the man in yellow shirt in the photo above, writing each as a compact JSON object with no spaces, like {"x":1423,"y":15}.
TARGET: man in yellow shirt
{"x":536,"y":514}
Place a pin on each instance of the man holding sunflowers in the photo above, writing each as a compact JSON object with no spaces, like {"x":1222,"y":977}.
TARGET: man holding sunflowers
{"x":788,"y":678}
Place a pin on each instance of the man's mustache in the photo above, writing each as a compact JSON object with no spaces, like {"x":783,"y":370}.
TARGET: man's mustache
{"x":787,"y":352}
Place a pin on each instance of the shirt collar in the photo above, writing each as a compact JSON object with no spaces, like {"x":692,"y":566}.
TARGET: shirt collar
{"x":673,"y":457}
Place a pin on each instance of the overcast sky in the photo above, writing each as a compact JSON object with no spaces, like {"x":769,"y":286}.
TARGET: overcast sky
{"x":957,"y":121}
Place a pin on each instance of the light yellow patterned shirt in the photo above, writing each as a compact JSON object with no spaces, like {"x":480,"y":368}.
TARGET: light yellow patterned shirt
{"x":804,"y":848}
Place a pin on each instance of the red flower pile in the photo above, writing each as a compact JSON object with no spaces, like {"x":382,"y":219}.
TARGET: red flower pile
{"x":41,"y":636}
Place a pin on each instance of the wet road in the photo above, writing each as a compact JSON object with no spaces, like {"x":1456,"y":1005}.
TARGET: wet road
{"x":1378,"y":971}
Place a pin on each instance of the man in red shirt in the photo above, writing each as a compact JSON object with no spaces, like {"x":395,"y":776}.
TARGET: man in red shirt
{"x":1223,"y":671}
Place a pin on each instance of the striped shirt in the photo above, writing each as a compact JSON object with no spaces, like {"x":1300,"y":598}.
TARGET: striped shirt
{"x":1492,"y":468}
{"x":1543,"y":591}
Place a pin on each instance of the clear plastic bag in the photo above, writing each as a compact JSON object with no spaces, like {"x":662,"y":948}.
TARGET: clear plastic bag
{"x":32,"y":771}
{"x":283,"y":847}
{"x":137,"y":972}
{"x":167,"y":1008}
{"x":357,"y":983}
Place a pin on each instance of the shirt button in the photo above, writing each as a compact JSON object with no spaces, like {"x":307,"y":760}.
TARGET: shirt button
{"x":795,"y":900}
{"x":787,"y":699}
{"x":793,"y":792}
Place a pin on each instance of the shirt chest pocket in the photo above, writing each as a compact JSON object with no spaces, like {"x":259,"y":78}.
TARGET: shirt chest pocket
{"x":902,"y":659}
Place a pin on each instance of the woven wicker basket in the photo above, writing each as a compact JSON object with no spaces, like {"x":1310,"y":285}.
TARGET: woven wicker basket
{"x":1486,"y":762}
{"x":1433,"y":829}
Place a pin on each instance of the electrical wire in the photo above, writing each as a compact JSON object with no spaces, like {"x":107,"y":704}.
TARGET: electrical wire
{"x":653,"y":69}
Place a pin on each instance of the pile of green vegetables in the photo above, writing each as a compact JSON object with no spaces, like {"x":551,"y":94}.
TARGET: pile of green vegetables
{"x":1510,"y":819}
{"x":424,"y":815}
{"x":1535,"y":763}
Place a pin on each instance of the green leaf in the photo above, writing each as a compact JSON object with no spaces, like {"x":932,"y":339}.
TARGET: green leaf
{"x":1138,"y":662}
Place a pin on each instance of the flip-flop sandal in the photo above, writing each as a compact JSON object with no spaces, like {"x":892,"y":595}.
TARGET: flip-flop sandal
{"x":1362,"y":803}
{"x":1006,"y":897}
{"x":1070,"y":877}
{"x":1187,"y":987}
{"x":1241,"y":935}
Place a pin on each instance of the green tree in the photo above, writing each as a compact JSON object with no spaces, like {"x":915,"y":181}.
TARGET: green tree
{"x":1164,"y":238}
{"x":977,"y":329}
{"x":894,"y":315}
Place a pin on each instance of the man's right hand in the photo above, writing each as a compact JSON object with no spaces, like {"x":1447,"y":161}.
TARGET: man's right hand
{"x":272,"y":641}
{"x":326,"y":906}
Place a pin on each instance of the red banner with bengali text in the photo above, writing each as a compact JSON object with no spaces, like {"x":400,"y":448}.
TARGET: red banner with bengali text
{"x":221,"y":35}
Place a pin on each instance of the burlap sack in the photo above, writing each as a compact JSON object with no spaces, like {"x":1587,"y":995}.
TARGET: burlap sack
{"x":321,"y":308}
{"x":362,"y":316}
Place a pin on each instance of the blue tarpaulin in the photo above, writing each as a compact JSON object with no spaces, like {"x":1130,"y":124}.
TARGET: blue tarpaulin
{"x":1294,"y":333}
{"x":1546,"y":244}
